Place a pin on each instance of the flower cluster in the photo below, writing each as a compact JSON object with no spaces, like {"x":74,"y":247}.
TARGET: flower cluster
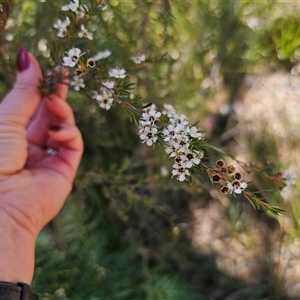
{"x":80,"y":12}
{"x":147,"y":128}
{"x":88,"y":73}
{"x":232,"y":182}
{"x":228,"y":175}
{"x":74,"y":6}
{"x":177,"y":137}
{"x":104,"y":96}
{"x":62,"y":32}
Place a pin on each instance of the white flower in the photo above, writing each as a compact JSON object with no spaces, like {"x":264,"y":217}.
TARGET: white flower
{"x":178,"y":159}
{"x":289,"y":177}
{"x":105,"y":100}
{"x":108,"y":84}
{"x":180,"y":143}
{"x":236,"y":186}
{"x":102,"y":55}
{"x":170,"y":150}
{"x":170,"y":132}
{"x":107,"y":93}
{"x":9,"y":37}
{"x":287,"y":192}
{"x":138,"y":58}
{"x":73,"y":56}
{"x":148,"y":135}
{"x":80,"y":12}
{"x":168,"y":110}
{"x":191,"y":159}
{"x":61,"y":33}
{"x":180,"y":171}
{"x":73,"y":6}
{"x":179,"y":119}
{"x":149,"y":117}
{"x":78,"y":83}
{"x":152,"y":106}
{"x":84,"y":33}
{"x":117,"y":73}
{"x":195,"y":133}
{"x":61,"y":26}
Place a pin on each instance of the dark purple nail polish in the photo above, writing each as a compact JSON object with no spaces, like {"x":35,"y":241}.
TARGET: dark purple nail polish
{"x":55,"y":128}
{"x":23,"y":59}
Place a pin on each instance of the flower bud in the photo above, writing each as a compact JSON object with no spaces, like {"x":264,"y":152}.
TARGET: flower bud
{"x":238,"y":176}
{"x":223,"y":170}
{"x":224,"y":189}
{"x":236,"y":184}
{"x":231,"y":169}
{"x":79,"y":72}
{"x":220,"y":163}
{"x":91,"y":63}
{"x":216,"y":178}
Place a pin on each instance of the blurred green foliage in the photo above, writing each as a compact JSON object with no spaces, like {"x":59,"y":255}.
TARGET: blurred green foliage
{"x":125,"y":231}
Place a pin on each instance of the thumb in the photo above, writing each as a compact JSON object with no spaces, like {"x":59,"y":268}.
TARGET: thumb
{"x":20,"y":104}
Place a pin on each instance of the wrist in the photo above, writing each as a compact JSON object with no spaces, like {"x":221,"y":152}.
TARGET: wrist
{"x":19,"y":291}
{"x":17,"y":249}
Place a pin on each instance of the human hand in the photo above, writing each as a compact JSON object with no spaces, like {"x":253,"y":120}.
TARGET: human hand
{"x":40,"y":150}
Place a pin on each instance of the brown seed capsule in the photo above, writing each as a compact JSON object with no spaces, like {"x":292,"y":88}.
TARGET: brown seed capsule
{"x":200,"y":154}
{"x":91,"y":63}
{"x":79,"y":72}
{"x":220,"y":163}
{"x":238,"y":176}
{"x":236,"y":184}
{"x":224,"y":189}
{"x":223,"y":170}
{"x":231,"y":169}
{"x":216,"y":178}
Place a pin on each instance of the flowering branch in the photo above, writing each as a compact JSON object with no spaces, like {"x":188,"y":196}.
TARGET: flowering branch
{"x":110,"y":85}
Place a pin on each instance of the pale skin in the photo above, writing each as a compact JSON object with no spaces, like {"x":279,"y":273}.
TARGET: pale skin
{"x":33,"y":183}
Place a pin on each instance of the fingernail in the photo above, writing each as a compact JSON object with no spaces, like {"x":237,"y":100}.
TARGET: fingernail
{"x":55,"y":128}
{"x":23,"y":59}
